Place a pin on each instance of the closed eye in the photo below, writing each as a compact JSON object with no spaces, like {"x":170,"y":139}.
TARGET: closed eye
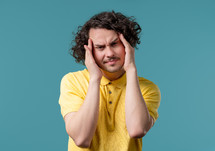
{"x":99,"y":47}
{"x":113,"y":44}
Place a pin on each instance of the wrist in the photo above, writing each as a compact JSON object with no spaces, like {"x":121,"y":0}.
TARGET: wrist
{"x":131,"y":74}
{"x":95,"y":80}
{"x":131,"y":69}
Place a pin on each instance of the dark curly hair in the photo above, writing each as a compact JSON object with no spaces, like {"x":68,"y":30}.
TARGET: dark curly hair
{"x":108,"y":20}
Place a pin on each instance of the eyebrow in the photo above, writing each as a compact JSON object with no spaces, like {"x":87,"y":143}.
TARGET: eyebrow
{"x":98,"y":45}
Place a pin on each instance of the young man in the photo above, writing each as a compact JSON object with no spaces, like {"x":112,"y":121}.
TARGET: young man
{"x":107,"y":107}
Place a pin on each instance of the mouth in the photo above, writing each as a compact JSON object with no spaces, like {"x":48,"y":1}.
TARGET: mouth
{"x":111,"y":61}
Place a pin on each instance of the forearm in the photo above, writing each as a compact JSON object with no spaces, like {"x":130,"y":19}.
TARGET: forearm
{"x":82,"y":126}
{"x":138,"y":119}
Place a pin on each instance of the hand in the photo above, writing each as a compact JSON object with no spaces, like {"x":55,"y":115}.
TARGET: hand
{"x":129,"y":62}
{"x":90,"y":63}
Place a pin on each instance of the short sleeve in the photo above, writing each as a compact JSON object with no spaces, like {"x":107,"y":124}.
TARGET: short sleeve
{"x":152,"y":97}
{"x":71,"y":98}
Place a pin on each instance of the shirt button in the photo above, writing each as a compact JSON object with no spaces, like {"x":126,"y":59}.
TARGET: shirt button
{"x":110,"y":92}
{"x":110,"y":102}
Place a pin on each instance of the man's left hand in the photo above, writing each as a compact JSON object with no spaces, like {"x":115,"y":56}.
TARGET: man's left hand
{"x":129,"y":62}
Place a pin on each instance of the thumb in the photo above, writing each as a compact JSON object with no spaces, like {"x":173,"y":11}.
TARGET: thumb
{"x":90,"y":43}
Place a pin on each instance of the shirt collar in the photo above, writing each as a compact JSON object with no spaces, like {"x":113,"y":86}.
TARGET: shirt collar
{"x":120,"y":82}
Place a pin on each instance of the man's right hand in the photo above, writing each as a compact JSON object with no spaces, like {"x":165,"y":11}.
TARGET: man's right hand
{"x":95,"y":72}
{"x":81,"y":125}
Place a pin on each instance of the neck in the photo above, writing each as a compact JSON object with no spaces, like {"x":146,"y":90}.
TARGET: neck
{"x":113,"y":76}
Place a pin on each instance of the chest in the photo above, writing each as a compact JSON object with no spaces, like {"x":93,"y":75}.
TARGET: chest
{"x":112,"y":108}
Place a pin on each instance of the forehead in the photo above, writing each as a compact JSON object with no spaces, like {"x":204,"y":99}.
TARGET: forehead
{"x":102,"y":36}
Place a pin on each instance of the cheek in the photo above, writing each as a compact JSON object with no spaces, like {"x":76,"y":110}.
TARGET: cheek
{"x":121,"y":52}
{"x":97,"y":56}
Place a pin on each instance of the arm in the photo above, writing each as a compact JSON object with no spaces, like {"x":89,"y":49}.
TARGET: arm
{"x":81,"y":125}
{"x":138,"y":119}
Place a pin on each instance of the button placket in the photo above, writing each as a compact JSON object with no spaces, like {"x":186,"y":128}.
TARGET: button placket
{"x":109,"y":97}
{"x":110,"y":102}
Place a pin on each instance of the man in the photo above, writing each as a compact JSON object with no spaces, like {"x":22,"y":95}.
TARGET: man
{"x":107,"y":107}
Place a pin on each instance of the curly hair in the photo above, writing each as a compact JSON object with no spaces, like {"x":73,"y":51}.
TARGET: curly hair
{"x":108,"y":20}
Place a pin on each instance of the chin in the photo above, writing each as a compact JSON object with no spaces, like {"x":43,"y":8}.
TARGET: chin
{"x":113,"y":69}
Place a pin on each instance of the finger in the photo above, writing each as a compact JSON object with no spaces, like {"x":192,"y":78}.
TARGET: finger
{"x":88,"y":53}
{"x":86,"y":48}
{"x":90,"y":44}
{"x":124,"y":41}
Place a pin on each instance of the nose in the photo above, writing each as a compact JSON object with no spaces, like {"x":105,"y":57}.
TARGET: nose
{"x":109,"y":51}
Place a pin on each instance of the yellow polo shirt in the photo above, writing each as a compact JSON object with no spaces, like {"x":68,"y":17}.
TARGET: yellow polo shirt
{"x":111,"y":133}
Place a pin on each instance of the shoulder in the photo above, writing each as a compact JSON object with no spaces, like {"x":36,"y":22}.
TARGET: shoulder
{"x":75,"y":80}
{"x":145,"y":82}
{"x":147,"y":86}
{"x":76,"y":76}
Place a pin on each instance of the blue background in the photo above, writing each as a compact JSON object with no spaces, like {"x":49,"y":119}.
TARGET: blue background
{"x":177,"y":53}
